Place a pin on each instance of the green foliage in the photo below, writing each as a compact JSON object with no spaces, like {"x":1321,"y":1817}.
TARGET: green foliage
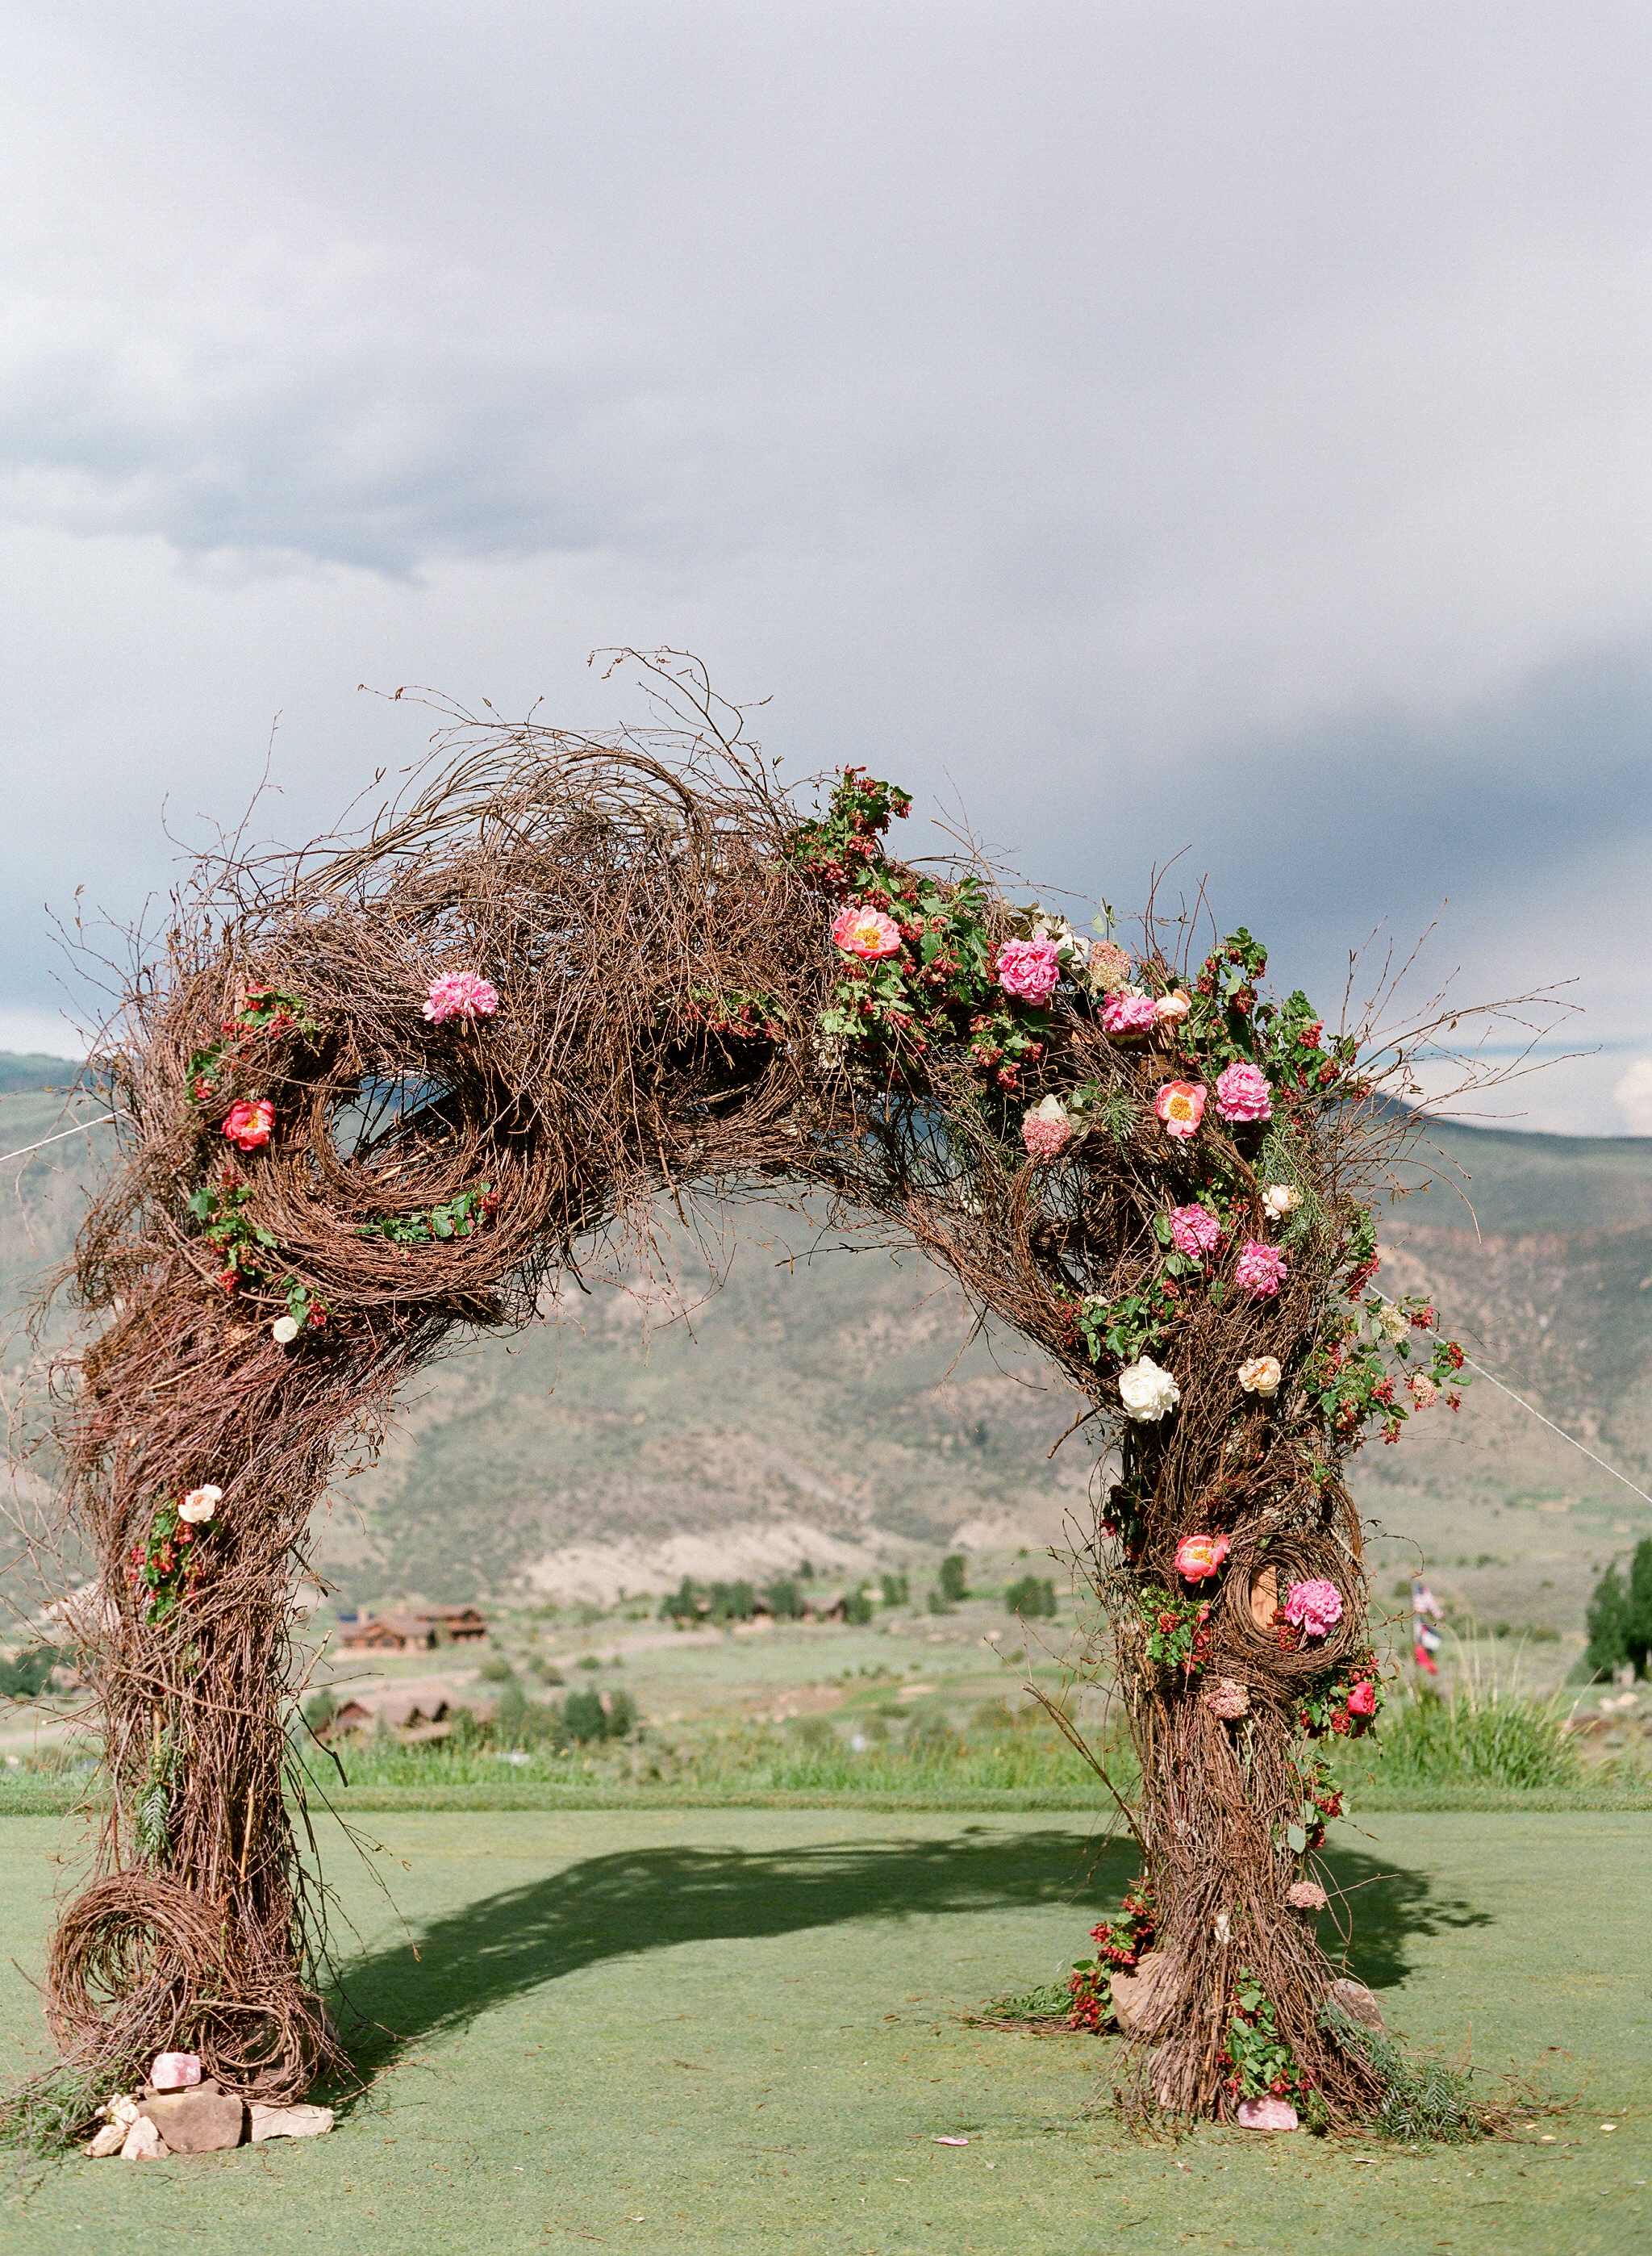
{"x":785,"y":1599}
{"x":857,"y":1607}
{"x":458,"y":1217}
{"x":25,"y":1675}
{"x":1260,"y":2060}
{"x":954,"y":1586}
{"x":1423,"y":2102}
{"x":1176,"y":1637}
{"x":1619,"y":1618}
{"x":1031,"y":1597}
{"x":683,"y":1604}
{"x":1475,"y":1737}
{"x":732,"y":1601}
{"x":55,"y":2110}
{"x":590,"y":1715}
{"x":897,"y":1591}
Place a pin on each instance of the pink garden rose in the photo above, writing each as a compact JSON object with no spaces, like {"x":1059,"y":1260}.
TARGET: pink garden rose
{"x":460,"y":994}
{"x":1198,"y":1557}
{"x":1180,"y":1106}
{"x":866,"y":931}
{"x":1047,"y":1130}
{"x":1424,"y":1392}
{"x":1362,"y":1701}
{"x":1260,"y":1270}
{"x":1171,"y":1009}
{"x":249,"y":1125}
{"x":1314,"y":1607}
{"x":1109,"y":967}
{"x":1126,"y":1014}
{"x":1243,"y":1093}
{"x":1029,"y":968}
{"x":1194,"y":1229}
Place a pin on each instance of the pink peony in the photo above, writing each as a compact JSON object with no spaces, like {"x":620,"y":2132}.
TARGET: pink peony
{"x":1362,"y":1701}
{"x":866,"y":931}
{"x":1194,"y":1229}
{"x":1046,"y":1131}
{"x":1029,"y":969}
{"x":1180,"y":1106}
{"x":1198,"y":1557}
{"x":1171,"y":1009}
{"x":249,"y":1125}
{"x":1109,"y":967}
{"x":1260,"y":1269}
{"x":1424,"y":1392}
{"x":1315,"y":1607}
{"x":460,"y":994}
{"x":1243,"y":1093}
{"x":1126,"y":1014}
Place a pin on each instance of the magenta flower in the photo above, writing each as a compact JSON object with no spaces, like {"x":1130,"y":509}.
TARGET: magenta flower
{"x":1243,"y":1093}
{"x":1029,"y":969}
{"x":460,"y":994}
{"x":1260,"y":1269}
{"x":1194,"y":1229}
{"x":1315,"y":1608}
{"x":1130,"y":1014}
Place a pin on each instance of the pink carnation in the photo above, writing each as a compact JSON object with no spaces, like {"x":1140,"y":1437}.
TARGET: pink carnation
{"x":460,"y":994}
{"x":1029,"y":969}
{"x":1243,"y":1093}
{"x":1315,"y":1608}
{"x":1194,"y":1229}
{"x":1260,"y":1270}
{"x":866,"y":931}
{"x":1130,"y":1014}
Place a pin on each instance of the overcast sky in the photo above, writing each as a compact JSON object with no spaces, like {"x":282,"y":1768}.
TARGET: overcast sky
{"x":1220,"y":429}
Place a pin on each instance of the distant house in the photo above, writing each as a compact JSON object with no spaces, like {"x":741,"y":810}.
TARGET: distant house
{"x":455,"y":1625}
{"x":412,"y":1715}
{"x":389,"y":1634}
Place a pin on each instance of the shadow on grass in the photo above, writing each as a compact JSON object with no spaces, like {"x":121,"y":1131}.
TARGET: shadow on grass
{"x":502,"y":1946}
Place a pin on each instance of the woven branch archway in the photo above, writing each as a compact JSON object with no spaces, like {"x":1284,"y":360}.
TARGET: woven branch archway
{"x":382,"y":1088}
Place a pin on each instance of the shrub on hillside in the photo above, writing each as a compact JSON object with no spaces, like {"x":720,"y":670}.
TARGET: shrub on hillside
{"x":1031,"y":1597}
{"x":898,"y":1591}
{"x":25,"y":1675}
{"x":1619,"y":1618}
{"x":954,"y":1588}
{"x":783,"y":1599}
{"x":857,"y":1607}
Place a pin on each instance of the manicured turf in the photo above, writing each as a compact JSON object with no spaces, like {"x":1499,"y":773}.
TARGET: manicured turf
{"x":719,"y":2032}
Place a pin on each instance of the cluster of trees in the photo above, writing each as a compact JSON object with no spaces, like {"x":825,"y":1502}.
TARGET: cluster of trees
{"x":1031,"y":1597}
{"x":25,"y":1675}
{"x":1621,"y":1618}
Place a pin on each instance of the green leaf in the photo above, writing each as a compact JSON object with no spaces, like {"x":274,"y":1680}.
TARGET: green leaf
{"x":1297,"y":1838}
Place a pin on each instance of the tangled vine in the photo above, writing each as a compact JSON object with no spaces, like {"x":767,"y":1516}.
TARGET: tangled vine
{"x":379,"y":1092}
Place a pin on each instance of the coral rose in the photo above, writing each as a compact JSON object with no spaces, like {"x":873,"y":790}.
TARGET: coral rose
{"x":1260,"y":1374}
{"x":1047,"y":1130}
{"x":249,"y":1125}
{"x":1424,"y":1392}
{"x":1194,"y":1229}
{"x":1180,"y":1106}
{"x":866,"y":933}
{"x":1171,"y":1009}
{"x":1109,"y":967}
{"x":1260,"y":1269}
{"x":1200,"y":1556}
{"x":1029,"y":968}
{"x":1362,"y":1701}
{"x":1314,"y":1607}
{"x":1280,"y":1199}
{"x":1127,"y":1013}
{"x":1147,"y":1393}
{"x":460,"y":994}
{"x":1243,"y":1093}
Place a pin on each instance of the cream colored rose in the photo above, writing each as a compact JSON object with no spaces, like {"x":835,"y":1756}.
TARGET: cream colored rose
{"x":1146,"y":1392}
{"x":200,"y":1504}
{"x":1392,"y":1319}
{"x":1171,"y":1009}
{"x":285,"y":1329}
{"x":1280,"y":1199}
{"x":1260,"y":1374}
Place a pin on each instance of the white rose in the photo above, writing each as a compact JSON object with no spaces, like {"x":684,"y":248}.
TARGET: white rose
{"x":1280,"y":1199}
{"x":200,"y":1504}
{"x":1146,"y":1392}
{"x":1171,"y":1009}
{"x":285,"y":1329}
{"x":1260,"y":1375}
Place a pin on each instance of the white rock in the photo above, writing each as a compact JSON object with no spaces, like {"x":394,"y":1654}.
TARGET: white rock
{"x":109,"y":2141}
{"x":143,"y":2143}
{"x":289,"y":2122}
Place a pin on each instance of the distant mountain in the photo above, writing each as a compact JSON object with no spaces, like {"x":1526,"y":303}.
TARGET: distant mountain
{"x":835,"y":1404}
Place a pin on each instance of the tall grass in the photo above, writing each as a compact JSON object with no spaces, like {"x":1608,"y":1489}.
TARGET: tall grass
{"x":1485,"y":1731}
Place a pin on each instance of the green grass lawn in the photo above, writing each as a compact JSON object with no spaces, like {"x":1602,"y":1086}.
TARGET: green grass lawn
{"x":720,"y":2032}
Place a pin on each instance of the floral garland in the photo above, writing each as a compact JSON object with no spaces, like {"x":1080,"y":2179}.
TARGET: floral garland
{"x":1260,"y":2064}
{"x":264,"y":1012}
{"x":1119,"y":1946}
{"x":170,"y":1562}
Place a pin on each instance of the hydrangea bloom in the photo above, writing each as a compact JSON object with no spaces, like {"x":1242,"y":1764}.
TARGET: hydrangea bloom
{"x":460,"y":994}
{"x":1109,"y":967}
{"x":249,"y":1125}
{"x":1314,"y":1607}
{"x":1180,"y":1106}
{"x":1198,"y":1557}
{"x":1126,"y":1013}
{"x":1305,"y":1895}
{"x":1194,"y":1229}
{"x":1227,"y":1697}
{"x":1047,"y":1128}
{"x":866,"y":931}
{"x":1029,"y":969}
{"x":1260,"y":1270}
{"x":1242,"y":1094}
{"x":1424,"y":1392}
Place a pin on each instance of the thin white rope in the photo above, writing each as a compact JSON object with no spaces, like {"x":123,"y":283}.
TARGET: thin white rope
{"x":1553,"y":1428}
{"x":78,"y":1130}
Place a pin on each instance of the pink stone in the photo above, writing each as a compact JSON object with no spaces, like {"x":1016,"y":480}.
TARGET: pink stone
{"x":1270,"y":2114}
{"x":174,"y":2070}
